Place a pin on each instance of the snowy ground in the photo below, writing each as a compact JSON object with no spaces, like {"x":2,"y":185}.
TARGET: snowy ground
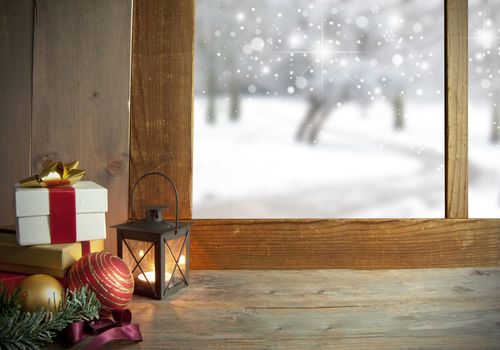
{"x":360,"y":166}
{"x":484,"y":166}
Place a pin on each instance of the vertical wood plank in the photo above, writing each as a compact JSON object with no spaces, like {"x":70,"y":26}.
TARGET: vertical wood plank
{"x":456,"y":101}
{"x":16,"y":56}
{"x":162,"y":101}
{"x":81,"y":85}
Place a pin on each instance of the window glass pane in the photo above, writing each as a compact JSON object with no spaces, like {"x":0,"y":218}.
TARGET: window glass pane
{"x":319,"y":108}
{"x":484,"y":111}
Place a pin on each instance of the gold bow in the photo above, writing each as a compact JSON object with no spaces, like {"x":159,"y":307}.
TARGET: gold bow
{"x":55,"y":174}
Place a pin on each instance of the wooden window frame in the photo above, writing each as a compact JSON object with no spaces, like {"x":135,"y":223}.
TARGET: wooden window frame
{"x":161,"y":140}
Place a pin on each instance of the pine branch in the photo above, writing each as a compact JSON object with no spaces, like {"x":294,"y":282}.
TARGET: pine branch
{"x":24,"y":330}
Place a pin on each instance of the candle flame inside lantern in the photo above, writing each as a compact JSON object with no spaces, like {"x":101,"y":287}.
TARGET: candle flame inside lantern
{"x":141,"y":253}
{"x":151,"y":276}
{"x":182,"y":260}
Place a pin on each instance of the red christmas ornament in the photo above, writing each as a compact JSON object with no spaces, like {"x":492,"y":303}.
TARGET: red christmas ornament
{"x":107,"y":275}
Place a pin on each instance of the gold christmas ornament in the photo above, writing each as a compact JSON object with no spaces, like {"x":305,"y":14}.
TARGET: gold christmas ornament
{"x":41,"y":290}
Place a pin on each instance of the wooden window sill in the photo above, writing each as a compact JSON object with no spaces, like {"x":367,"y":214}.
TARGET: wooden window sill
{"x":326,"y":309}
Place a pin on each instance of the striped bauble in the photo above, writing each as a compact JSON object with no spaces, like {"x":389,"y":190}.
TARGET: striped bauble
{"x":107,"y":275}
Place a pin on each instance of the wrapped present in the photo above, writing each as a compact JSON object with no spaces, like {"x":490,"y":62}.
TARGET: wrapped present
{"x":10,"y":280}
{"x":54,"y":208}
{"x":50,"y":259}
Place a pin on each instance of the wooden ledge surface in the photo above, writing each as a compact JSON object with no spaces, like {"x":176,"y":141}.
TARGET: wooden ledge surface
{"x":326,"y":309}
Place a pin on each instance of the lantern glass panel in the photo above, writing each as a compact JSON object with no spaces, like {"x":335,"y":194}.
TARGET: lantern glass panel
{"x":140,"y":257}
{"x":175,"y":261}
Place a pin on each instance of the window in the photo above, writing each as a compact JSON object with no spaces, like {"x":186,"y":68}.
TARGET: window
{"x":321,"y":108}
{"x":161,"y":130}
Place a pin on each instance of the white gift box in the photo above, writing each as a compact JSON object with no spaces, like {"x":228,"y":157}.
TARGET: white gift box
{"x":33,"y":210}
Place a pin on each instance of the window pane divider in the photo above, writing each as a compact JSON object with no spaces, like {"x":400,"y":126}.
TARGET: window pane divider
{"x":456,"y":104}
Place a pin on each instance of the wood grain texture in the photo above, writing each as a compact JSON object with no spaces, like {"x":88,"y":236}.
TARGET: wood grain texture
{"x":162,"y":101}
{"x":456,"y":101}
{"x":16,"y":57}
{"x":326,"y":309}
{"x":344,"y":243}
{"x":81,"y":85}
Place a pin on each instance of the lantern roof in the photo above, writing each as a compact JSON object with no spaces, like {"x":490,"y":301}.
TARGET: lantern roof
{"x":159,"y":227}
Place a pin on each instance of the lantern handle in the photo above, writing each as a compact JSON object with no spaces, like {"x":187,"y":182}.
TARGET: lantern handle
{"x":173,"y":186}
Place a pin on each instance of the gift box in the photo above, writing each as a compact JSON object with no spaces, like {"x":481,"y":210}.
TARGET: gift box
{"x":61,"y":214}
{"x":10,"y":280}
{"x":50,"y":259}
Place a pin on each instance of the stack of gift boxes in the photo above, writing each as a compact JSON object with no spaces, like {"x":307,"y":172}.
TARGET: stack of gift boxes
{"x":58,"y":220}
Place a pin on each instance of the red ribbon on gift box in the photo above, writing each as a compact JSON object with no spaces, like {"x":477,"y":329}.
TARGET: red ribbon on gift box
{"x":62,"y":218}
{"x":85,"y":247}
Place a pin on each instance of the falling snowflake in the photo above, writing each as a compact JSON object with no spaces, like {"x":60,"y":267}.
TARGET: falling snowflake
{"x":397,"y":60}
{"x":375,"y":8}
{"x":389,"y":35}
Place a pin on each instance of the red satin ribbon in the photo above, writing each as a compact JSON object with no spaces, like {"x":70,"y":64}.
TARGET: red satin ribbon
{"x":120,"y":328}
{"x":85,"y":247}
{"x":62,"y":218}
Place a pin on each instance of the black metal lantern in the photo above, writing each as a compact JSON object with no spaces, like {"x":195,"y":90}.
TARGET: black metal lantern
{"x":156,"y":251}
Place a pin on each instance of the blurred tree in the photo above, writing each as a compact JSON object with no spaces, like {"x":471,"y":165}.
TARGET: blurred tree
{"x":207,"y":53}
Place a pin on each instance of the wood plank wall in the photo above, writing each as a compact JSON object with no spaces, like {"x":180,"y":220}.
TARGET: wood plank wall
{"x":162,"y":101}
{"x":80,"y":54}
{"x":16,"y":52}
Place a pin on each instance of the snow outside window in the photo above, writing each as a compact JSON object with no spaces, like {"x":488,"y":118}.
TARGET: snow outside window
{"x":484,"y":108}
{"x":319,"y":109}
